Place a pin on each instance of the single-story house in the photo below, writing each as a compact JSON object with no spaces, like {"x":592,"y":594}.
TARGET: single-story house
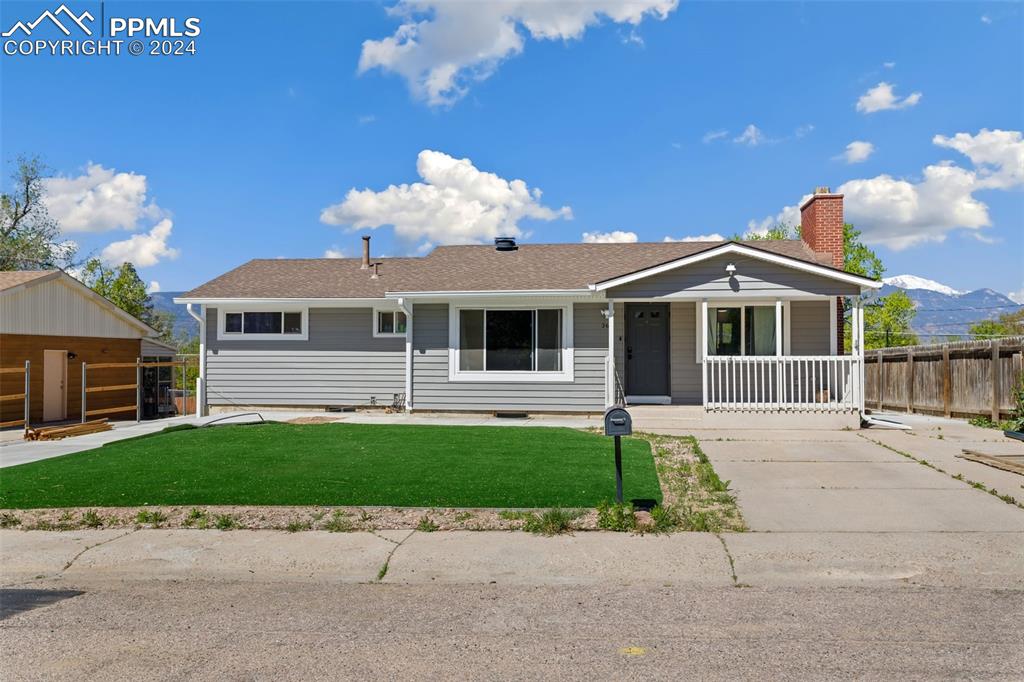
{"x":752,"y":325}
{"x":56,"y":323}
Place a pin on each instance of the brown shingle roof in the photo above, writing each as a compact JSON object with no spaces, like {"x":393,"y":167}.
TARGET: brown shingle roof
{"x":466,"y":268}
{"x":12,"y":278}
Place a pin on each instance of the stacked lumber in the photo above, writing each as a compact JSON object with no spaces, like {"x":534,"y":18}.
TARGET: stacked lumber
{"x":58,"y":432}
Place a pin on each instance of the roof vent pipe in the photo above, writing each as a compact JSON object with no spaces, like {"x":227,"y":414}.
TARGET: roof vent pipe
{"x":366,"y":253}
{"x":505,"y":244}
{"x":376,"y":272}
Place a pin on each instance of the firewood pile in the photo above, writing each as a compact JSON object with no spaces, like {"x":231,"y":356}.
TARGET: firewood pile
{"x":68,"y":430}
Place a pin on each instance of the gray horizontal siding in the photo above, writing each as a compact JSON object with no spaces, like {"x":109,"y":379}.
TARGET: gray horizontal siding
{"x":686,"y":373}
{"x":433,"y":391}
{"x":809,"y":328}
{"x":341,"y":363}
{"x":754,"y":278}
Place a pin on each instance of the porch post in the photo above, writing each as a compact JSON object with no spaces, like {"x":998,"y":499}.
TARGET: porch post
{"x":610,"y":362}
{"x":407,"y":308}
{"x":704,"y":351}
{"x":833,"y":343}
{"x":860,"y":345}
{"x":778,"y":352}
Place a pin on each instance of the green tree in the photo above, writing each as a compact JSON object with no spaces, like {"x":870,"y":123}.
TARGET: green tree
{"x":123,"y":287}
{"x":1007,"y":324}
{"x":887,"y":322}
{"x":857,"y":257}
{"x":29,"y":237}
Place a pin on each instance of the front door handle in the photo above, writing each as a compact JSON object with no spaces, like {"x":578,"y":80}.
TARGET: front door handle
{"x":629,"y":352}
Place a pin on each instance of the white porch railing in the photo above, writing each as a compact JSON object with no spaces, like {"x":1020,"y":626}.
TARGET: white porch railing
{"x":808,"y":383}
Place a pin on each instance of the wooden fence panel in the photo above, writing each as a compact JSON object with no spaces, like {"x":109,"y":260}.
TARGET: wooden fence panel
{"x":973,"y":378}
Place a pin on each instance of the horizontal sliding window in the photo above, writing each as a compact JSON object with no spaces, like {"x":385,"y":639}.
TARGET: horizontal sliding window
{"x":510,"y":340}
{"x":263,"y":322}
{"x":390,"y":323}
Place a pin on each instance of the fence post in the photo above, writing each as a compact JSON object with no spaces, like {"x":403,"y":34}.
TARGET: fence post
{"x":881,"y":380}
{"x":910,"y":382}
{"x":995,"y":380}
{"x":138,"y":390}
{"x":947,"y":382}
{"x":83,"y":391}
{"x":28,"y":388}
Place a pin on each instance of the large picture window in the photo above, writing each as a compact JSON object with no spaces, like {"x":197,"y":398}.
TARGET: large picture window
{"x":500,"y":340}
{"x":741,"y":330}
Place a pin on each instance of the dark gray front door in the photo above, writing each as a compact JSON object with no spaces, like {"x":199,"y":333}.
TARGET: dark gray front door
{"x":647,"y":349}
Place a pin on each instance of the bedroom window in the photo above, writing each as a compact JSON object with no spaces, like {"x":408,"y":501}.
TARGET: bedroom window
{"x":390,"y":323}
{"x":263,"y":324}
{"x":499,"y":340}
{"x":741,"y":330}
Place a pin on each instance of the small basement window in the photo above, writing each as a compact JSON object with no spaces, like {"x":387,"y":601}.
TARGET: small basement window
{"x":390,"y":323}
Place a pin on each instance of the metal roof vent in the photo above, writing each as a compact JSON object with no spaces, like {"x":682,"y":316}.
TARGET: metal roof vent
{"x":505,"y":244}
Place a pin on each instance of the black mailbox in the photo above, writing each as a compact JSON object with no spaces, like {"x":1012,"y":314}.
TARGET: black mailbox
{"x":617,"y":422}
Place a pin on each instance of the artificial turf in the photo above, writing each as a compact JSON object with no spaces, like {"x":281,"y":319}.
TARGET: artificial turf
{"x":339,"y":464}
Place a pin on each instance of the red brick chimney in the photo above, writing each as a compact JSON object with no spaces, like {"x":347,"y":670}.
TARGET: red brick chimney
{"x":821,"y":228}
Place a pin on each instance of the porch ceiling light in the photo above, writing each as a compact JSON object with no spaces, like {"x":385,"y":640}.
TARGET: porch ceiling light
{"x":731,"y":269}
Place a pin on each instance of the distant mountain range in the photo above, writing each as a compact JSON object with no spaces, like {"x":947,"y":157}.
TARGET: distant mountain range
{"x":184,"y":324}
{"x":944,"y":311}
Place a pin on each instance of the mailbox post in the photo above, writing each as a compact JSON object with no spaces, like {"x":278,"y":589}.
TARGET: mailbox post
{"x":618,"y":423}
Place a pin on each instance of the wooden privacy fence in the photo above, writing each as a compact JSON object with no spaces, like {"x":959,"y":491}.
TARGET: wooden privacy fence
{"x":136,"y":387}
{"x":27,"y":371}
{"x":966,"y":379}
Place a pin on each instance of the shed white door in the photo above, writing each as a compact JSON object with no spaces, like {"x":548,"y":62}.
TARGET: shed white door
{"x":55,"y":385}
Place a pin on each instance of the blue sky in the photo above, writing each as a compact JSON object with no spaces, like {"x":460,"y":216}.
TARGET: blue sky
{"x":635,"y":125}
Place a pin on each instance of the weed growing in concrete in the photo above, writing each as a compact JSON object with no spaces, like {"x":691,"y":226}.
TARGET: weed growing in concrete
{"x":338,"y":523}
{"x":67,"y":521}
{"x":426,"y":525}
{"x":664,"y":519}
{"x":91,"y":519}
{"x":152,"y":517}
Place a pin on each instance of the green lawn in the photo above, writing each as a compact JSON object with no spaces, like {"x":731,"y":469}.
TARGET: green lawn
{"x":339,"y":464}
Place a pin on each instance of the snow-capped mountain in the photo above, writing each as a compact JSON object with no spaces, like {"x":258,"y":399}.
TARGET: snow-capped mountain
{"x":944,"y":311}
{"x":915,"y":282}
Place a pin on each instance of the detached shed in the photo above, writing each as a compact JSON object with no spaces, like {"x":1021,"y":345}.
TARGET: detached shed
{"x":56,"y":323}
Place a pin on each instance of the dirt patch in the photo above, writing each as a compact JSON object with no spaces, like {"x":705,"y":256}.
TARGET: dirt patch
{"x":313,"y":420}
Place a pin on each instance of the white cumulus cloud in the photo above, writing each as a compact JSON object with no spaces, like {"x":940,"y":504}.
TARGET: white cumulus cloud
{"x":153,"y":287}
{"x":857,"y":151}
{"x":1017,"y":296}
{"x":713,"y":135}
{"x":713,"y":237}
{"x":614,"y":237}
{"x":334,"y":252}
{"x":99,"y":200}
{"x":144,"y":249}
{"x":902,"y":212}
{"x":882,"y":97}
{"x":455,"y":204}
{"x":440,"y":48}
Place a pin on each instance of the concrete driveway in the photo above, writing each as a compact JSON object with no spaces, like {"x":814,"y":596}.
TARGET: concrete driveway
{"x":848,"y":481}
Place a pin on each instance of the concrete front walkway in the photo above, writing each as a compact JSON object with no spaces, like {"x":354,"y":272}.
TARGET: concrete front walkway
{"x":849,"y":481}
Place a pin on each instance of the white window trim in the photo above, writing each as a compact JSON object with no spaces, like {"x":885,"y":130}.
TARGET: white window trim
{"x":743,"y":305}
{"x":385,"y":335}
{"x":262,"y":308}
{"x":565,"y":375}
